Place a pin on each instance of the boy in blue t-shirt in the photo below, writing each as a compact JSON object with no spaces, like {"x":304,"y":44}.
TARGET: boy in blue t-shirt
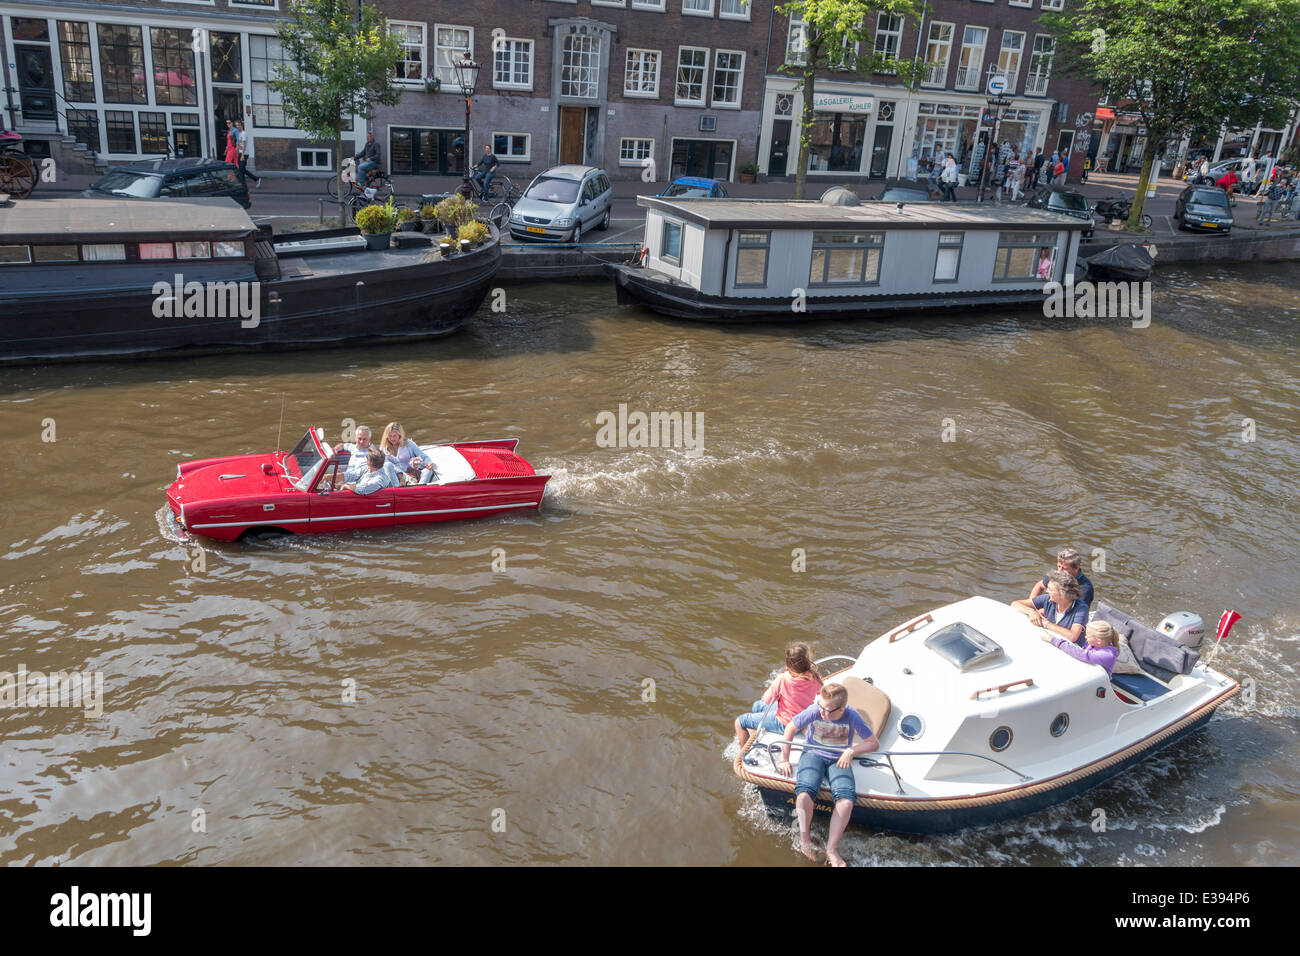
{"x":828,"y":751}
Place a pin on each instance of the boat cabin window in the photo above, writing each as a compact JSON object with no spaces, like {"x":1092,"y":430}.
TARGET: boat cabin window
{"x":751,"y":259}
{"x":963,"y":646}
{"x":1018,"y":254}
{"x":193,"y":250}
{"x":12,"y":255}
{"x":103,"y":252}
{"x":948,"y":258}
{"x":157,"y":250}
{"x":670,"y":250}
{"x":228,"y":250}
{"x":59,"y":253}
{"x":846,"y":258}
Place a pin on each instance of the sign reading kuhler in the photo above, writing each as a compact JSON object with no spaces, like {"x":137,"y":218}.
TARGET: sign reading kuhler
{"x":842,"y":103}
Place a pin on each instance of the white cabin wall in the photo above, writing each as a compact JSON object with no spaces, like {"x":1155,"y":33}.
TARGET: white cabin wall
{"x":692,"y":255}
{"x":714,"y":252}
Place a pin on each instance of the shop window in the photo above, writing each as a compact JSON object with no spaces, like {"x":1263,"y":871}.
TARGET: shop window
{"x":78,"y":68}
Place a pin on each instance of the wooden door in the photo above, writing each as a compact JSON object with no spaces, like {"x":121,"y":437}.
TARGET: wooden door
{"x":573,"y":127}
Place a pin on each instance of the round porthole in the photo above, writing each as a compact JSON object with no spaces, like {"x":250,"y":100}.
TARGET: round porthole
{"x":911,"y":727}
{"x":1000,"y":739}
{"x":1060,"y":724}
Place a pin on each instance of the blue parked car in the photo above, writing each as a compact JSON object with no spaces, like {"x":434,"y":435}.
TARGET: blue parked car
{"x":695,"y":187}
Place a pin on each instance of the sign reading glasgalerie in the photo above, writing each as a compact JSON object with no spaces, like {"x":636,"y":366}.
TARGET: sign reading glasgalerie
{"x":842,"y":103}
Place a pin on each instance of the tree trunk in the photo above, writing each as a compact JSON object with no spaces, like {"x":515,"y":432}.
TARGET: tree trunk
{"x":1134,"y":223}
{"x":338,"y":146}
{"x":806,"y":118}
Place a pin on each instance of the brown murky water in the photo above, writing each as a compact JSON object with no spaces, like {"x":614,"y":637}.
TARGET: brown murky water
{"x":515,"y":696}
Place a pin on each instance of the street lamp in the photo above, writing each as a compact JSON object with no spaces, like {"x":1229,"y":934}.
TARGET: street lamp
{"x":996,"y":104}
{"x":467,"y":76}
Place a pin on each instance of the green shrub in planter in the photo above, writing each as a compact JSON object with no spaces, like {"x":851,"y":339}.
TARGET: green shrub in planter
{"x":475,"y":232}
{"x":427,"y":211}
{"x":455,"y":211}
{"x":377,"y":219}
{"x":406,"y":215}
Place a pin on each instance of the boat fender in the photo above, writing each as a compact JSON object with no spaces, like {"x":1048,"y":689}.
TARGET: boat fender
{"x":641,"y":259}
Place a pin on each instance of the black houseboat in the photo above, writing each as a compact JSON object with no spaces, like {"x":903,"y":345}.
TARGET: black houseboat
{"x":88,"y":278}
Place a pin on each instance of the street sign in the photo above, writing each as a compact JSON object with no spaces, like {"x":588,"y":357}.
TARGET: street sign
{"x":997,"y":85}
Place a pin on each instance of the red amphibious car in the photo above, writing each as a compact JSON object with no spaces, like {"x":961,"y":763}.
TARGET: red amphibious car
{"x":301,"y":491}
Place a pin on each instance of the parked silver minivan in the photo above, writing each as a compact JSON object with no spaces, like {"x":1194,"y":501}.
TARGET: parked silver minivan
{"x":562,"y":203}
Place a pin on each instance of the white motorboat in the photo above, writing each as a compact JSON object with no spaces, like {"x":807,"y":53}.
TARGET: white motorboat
{"x":979,"y":719}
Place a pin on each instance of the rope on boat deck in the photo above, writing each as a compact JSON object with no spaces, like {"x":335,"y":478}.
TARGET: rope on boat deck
{"x":1000,"y":796}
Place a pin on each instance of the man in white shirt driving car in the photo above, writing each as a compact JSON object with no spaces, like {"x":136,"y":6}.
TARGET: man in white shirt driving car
{"x":381,"y":476}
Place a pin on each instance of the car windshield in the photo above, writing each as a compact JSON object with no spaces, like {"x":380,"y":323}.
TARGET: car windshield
{"x":1209,"y":197}
{"x":552,"y":189}
{"x":1071,"y":201}
{"x":304,"y":454}
{"x":123,"y":183}
{"x":682,"y":189}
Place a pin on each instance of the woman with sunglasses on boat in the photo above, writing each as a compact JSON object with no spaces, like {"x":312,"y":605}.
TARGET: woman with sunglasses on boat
{"x":1060,"y":611}
{"x":792,"y":692}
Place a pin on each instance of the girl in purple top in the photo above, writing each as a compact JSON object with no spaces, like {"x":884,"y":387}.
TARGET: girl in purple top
{"x":1102,"y":648}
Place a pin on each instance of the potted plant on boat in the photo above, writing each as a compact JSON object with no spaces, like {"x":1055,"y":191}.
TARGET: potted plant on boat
{"x":749,"y":172}
{"x":376,"y":223}
{"x":455,"y":211}
{"x":472,"y":233}
{"x":407,"y":221}
{"x":429,"y":219}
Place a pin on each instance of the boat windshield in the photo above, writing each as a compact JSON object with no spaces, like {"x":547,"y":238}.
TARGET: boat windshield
{"x":963,"y":646}
{"x":552,"y":189}
{"x":122,"y":183}
{"x":304,"y":454}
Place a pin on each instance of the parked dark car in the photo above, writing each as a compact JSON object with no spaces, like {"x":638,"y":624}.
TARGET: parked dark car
{"x":173,"y":178}
{"x":1064,"y":200}
{"x":903,"y":194}
{"x":1204,"y":207}
{"x":693,"y":187}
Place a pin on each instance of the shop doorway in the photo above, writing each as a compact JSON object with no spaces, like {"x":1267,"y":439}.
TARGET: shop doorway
{"x":426,"y":152}
{"x":884,"y":141}
{"x":702,"y":157}
{"x":227,"y":104}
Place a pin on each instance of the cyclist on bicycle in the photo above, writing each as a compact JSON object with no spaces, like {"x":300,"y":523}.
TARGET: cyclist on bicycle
{"x":368,"y":158}
{"x":487,"y":168}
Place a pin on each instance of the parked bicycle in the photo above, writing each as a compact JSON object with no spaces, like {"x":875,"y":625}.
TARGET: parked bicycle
{"x":500,"y":200}
{"x":357,"y":196}
{"x":17,"y":169}
{"x":1118,"y":208}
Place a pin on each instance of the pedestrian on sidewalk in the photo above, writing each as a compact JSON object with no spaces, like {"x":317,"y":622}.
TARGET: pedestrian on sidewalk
{"x":1249,"y":172}
{"x":232,"y":143}
{"x":933,"y":189}
{"x":1087,"y":165}
{"x":1038,"y":168}
{"x":949,"y":179}
{"x":245,"y":154}
{"x":1269,"y":204}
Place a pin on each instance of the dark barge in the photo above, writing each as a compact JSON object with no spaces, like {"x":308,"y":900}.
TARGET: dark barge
{"x":91,"y":278}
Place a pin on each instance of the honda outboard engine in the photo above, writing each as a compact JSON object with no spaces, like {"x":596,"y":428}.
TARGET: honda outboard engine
{"x":1184,"y":627}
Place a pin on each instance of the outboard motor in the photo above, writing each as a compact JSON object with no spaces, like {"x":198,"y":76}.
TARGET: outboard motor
{"x":1184,"y":627}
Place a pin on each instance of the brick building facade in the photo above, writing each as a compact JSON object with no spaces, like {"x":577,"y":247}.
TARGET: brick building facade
{"x":693,"y":86}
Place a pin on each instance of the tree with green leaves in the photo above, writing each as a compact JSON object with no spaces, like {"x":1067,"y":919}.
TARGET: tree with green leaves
{"x":832,"y":37}
{"x":1180,"y":64}
{"x":341,"y":63}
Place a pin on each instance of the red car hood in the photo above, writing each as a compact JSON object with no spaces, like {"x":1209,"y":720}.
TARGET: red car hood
{"x":215,"y":479}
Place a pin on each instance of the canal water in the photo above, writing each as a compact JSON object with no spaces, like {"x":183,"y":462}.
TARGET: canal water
{"x":559,"y":687}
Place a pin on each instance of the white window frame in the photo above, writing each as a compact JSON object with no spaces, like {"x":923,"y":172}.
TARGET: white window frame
{"x":1042,"y":59}
{"x":746,"y":7}
{"x":1020,"y":3}
{"x":895,"y":30}
{"x":449,"y":84}
{"x":627,"y":67}
{"x":511,"y":158}
{"x":975,"y":65}
{"x":585,"y":45}
{"x":1053,"y":4}
{"x":795,"y":57}
{"x":607,"y":3}
{"x":1011,"y":74}
{"x":513,"y":86}
{"x":931,"y":42}
{"x":847,"y":60}
{"x":740,"y":82}
{"x":637,"y":162}
{"x":424,"y":49}
{"x":704,"y":77}
{"x":697,"y":13}
{"x":650,"y":6}
{"x":273,"y":99}
{"x":272,"y":7}
{"x":314,"y":167}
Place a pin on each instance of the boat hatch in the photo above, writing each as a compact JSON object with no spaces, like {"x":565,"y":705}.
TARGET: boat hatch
{"x":963,"y":646}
